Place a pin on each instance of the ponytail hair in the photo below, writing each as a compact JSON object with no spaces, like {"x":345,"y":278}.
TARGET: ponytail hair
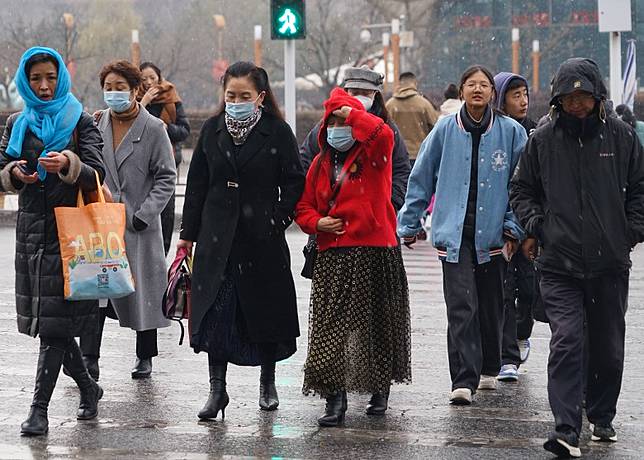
{"x":259,"y":77}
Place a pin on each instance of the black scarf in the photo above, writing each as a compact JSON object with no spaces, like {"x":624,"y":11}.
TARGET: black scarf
{"x":580,"y":128}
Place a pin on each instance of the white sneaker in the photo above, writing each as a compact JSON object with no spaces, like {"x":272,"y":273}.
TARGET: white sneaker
{"x":524,"y":349}
{"x":487,"y":382}
{"x":461,"y":397}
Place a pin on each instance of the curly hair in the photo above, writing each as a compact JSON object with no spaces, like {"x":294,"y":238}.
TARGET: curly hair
{"x":124,"y":68}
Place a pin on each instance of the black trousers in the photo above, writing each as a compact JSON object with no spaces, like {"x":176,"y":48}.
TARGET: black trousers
{"x":602,"y":303}
{"x":474,"y":298}
{"x":146,"y":341}
{"x":167,"y":224}
{"x":518,"y":298}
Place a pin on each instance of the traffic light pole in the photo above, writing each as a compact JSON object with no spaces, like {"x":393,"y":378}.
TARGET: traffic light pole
{"x":289,"y":83}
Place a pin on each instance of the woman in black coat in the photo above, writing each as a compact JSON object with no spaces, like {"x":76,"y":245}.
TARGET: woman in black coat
{"x":244,"y":181}
{"x":47,"y":153}
{"x":160,"y":98}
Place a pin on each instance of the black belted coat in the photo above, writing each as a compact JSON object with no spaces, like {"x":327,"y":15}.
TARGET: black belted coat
{"x":239,"y":201}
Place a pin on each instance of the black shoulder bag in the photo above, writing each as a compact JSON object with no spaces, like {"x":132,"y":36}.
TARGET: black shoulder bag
{"x":310,"y":251}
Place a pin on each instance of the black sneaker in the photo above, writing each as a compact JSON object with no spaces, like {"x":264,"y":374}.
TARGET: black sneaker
{"x":603,"y":433}
{"x":563,"y":444}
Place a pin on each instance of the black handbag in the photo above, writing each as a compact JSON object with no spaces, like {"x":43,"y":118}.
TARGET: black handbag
{"x":310,"y":254}
{"x":310,"y":250}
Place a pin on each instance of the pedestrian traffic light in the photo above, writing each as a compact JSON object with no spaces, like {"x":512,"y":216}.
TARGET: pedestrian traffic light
{"x":288,"y":19}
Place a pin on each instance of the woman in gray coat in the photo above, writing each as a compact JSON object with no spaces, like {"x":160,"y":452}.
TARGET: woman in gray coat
{"x":140,"y":172}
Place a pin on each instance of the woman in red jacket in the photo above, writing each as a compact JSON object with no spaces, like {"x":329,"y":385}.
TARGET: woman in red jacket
{"x":359,"y":337}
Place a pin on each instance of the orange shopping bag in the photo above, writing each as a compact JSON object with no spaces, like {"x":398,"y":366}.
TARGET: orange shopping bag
{"x":92,"y":249}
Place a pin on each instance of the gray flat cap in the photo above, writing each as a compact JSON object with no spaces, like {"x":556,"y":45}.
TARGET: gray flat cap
{"x":362,"y":78}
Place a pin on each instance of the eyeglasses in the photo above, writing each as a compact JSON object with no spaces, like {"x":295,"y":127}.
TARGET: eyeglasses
{"x":484,"y":86}
{"x":570,"y":99}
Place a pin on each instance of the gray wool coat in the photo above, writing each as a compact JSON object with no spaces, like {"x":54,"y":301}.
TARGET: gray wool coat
{"x":141,"y":174}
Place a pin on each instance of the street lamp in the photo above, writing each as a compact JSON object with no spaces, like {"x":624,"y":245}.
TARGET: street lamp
{"x":258,"y":45}
{"x":220,"y":24}
{"x":365,"y":36}
{"x":68,"y":21}
{"x":386,"y":38}
{"x":536,"y":55}
{"x":395,"y":49}
{"x":135,"y":48}
{"x":515,"y":50}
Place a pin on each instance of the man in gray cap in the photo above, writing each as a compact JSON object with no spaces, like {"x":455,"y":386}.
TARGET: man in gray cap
{"x":366,"y":85}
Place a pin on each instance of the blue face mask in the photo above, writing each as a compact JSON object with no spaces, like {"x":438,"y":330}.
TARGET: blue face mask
{"x":118,"y":101}
{"x":340,"y":138}
{"x":241,"y":110}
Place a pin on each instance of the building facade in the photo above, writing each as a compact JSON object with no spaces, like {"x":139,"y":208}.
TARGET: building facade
{"x":480,"y":31}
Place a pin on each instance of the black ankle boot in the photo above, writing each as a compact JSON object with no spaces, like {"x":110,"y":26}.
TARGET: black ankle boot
{"x":218,"y":398}
{"x":142,"y":368}
{"x":90,"y":391}
{"x":377,"y":404}
{"x":336,"y":407}
{"x":49,"y":362}
{"x":268,"y":399}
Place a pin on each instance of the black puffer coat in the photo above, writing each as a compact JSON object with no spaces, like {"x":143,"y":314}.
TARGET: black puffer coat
{"x":40,"y":303}
{"x":177,"y":131}
{"x":579,"y":186}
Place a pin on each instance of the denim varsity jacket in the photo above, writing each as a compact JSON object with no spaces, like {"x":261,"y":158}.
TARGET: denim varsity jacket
{"x":443,"y":168}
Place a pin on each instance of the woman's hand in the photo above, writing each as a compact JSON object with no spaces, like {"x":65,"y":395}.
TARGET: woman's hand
{"x":149,"y":96}
{"x":343,"y":112}
{"x":331,"y":225}
{"x":185,"y":244}
{"x":54,"y":162}
{"x":22,"y":177}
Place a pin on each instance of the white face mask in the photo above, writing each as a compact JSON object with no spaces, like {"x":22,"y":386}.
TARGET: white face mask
{"x":367,"y":102}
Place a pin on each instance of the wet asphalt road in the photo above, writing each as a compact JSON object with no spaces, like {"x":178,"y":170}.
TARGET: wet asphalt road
{"x":156,"y":418}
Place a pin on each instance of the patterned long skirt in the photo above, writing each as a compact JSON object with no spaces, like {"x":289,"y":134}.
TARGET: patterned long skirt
{"x":359,"y":322}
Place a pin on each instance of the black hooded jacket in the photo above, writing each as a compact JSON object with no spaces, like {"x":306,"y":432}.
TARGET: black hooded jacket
{"x":579,"y":186}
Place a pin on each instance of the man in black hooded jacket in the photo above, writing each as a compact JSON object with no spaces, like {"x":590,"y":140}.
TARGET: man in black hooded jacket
{"x":579,"y":189}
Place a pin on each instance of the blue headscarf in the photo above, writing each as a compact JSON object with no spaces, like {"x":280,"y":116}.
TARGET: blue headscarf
{"x":53,"y":121}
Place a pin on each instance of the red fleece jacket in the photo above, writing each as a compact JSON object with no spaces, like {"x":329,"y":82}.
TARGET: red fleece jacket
{"x":364,"y":201}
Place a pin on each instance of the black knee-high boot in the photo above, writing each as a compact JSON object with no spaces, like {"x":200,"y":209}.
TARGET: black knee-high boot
{"x":268,"y":399}
{"x":90,"y":391}
{"x":218,"y":398}
{"x":50,"y":361}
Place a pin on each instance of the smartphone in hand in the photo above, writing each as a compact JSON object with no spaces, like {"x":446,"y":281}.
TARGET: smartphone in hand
{"x":26,"y":169}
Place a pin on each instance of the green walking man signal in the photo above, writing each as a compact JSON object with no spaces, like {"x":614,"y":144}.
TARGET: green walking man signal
{"x":288,"y":19}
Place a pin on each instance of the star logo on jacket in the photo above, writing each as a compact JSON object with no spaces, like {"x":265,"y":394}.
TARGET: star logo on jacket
{"x":499,"y":160}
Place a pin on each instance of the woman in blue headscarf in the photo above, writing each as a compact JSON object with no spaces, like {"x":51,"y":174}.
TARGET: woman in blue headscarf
{"x":48,"y":151}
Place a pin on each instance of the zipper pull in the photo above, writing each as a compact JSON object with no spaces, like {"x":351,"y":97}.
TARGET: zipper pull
{"x":581,"y":144}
